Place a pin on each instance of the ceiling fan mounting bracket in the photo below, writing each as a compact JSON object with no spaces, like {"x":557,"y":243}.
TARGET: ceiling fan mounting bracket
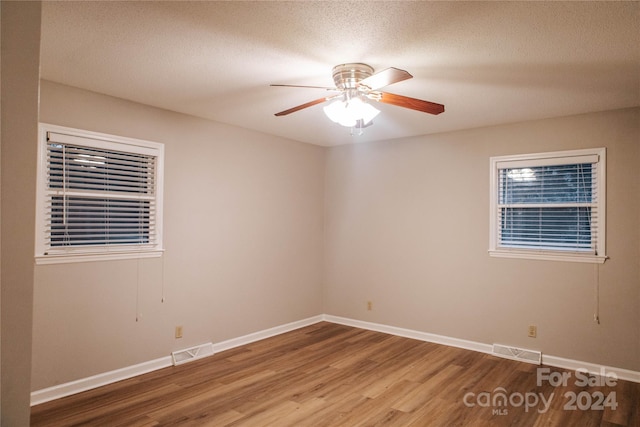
{"x":348,"y":76}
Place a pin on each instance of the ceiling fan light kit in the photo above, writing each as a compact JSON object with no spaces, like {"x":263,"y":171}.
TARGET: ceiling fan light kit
{"x":347,"y":112}
{"x":358,"y":84}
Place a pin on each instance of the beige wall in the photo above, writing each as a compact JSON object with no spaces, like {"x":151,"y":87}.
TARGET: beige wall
{"x":243,"y":237}
{"x":19,"y":105}
{"x":407,"y":227}
{"x":262,"y":231}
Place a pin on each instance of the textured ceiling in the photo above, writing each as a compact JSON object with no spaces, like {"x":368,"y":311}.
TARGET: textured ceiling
{"x":488,"y":62}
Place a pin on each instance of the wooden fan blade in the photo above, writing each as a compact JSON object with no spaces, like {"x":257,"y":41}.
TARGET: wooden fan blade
{"x":300,"y":107}
{"x":385,"y":78}
{"x":308,"y":87}
{"x":412,"y":103}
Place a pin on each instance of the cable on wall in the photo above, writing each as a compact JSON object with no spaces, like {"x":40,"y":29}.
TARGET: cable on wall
{"x":596,"y":302}
{"x":162,"y":279}
{"x":138,"y":290}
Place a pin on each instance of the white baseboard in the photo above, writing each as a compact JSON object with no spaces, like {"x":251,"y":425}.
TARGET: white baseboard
{"x":260,"y":335}
{"x":73,"y":387}
{"x":555,"y":361}
{"x":409,"y":333}
{"x":560,"y":362}
{"x":84,"y":384}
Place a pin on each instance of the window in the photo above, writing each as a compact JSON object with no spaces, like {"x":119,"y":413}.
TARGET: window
{"x":549,"y":206}
{"x":99,"y":196}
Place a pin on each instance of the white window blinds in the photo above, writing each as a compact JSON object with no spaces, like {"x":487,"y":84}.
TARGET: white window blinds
{"x":549,"y":203}
{"x":99,"y":196}
{"x":549,"y":207}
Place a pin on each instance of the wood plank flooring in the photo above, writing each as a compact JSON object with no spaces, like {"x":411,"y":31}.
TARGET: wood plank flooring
{"x":333,"y":375}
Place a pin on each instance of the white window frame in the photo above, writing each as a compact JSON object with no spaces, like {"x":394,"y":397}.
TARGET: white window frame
{"x":541,"y":159}
{"x":53,"y":255}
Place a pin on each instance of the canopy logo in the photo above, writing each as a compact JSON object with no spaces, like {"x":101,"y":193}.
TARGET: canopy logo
{"x":499,"y":400}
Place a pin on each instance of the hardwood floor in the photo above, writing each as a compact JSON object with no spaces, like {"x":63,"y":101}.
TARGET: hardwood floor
{"x":333,"y":375}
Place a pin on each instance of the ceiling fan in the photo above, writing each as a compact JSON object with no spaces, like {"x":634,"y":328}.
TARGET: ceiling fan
{"x":356,"y":83}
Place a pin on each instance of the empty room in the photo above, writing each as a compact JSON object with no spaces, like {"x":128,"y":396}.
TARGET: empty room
{"x":320,"y":213}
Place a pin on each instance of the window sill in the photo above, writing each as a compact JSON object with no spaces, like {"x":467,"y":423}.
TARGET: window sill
{"x":548,"y":256}
{"x":64,"y":258}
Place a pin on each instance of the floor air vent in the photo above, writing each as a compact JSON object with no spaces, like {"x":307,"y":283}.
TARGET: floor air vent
{"x":188,"y":354}
{"x":523,"y":355}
